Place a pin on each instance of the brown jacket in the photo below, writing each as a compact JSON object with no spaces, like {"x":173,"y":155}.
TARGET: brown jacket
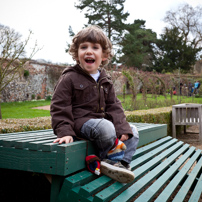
{"x":78,"y":98}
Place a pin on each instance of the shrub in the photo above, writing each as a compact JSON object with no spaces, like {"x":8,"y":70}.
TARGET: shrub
{"x":156,"y":116}
{"x":26,"y":73}
{"x":33,"y":96}
{"x":38,"y":97}
{"x":20,"y":125}
{"x":48,"y":97}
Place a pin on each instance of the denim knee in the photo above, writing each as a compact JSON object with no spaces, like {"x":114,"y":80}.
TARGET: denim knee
{"x":102,"y":132}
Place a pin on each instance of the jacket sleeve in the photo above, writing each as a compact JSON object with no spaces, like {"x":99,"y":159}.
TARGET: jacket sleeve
{"x":114,"y":112}
{"x":61,"y":108}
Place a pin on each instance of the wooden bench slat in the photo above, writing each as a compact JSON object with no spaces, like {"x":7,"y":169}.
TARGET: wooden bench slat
{"x":163,"y":179}
{"x":164,"y":196}
{"x":188,"y":183}
{"x":38,"y":144}
{"x":197,"y":193}
{"x":117,"y":187}
{"x":23,"y":137}
{"x":151,"y":146}
{"x":164,"y":161}
{"x":155,"y":156}
{"x":49,"y":147}
{"x":24,"y":159}
{"x":78,"y":179}
{"x":103,"y":181}
{"x":18,"y":143}
{"x":25,"y":143}
{"x":27,"y":133}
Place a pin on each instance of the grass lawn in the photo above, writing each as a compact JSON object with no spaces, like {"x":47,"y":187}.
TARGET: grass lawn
{"x":157,"y":102}
{"x":24,"y":109}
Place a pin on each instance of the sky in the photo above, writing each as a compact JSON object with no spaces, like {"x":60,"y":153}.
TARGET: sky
{"x":49,"y":20}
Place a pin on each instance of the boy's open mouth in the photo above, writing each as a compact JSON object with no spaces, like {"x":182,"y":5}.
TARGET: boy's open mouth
{"x":89,"y":60}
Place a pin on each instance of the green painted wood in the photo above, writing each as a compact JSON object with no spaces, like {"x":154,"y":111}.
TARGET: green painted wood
{"x":188,"y":183}
{"x":103,"y":181}
{"x":24,"y":135}
{"x":55,"y":187}
{"x":196,"y":195}
{"x":26,"y":160}
{"x":20,"y":151}
{"x":48,"y":147}
{"x":73,"y":156}
{"x":170,"y":188}
{"x":12,"y":142}
{"x":141,"y":151}
{"x":25,"y":143}
{"x":150,"y":155}
{"x":117,"y":187}
{"x":95,"y":186}
{"x":28,"y":132}
{"x":163,"y":179}
{"x":37,"y":145}
{"x":76,"y":180}
{"x":133,"y":190}
{"x":76,"y":197}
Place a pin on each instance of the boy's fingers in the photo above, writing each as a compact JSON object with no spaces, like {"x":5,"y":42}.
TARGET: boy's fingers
{"x":66,"y":140}
{"x":57,"y":140}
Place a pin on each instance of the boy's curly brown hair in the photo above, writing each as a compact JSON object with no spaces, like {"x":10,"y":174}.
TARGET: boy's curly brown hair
{"x":93,"y":34}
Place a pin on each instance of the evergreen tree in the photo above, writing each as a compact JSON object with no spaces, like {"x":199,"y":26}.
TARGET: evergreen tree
{"x":173,"y":52}
{"x":109,"y":15}
{"x":137,"y":46}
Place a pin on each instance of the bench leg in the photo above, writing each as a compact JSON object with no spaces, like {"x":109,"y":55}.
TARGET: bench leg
{"x":55,"y":187}
{"x":174,"y":131}
{"x":200,"y":133}
{"x":185,"y":127}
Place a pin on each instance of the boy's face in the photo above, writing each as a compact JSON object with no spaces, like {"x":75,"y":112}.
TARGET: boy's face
{"x":90,"y":56}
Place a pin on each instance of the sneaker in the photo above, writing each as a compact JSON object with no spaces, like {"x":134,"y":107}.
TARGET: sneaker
{"x":128,"y":167}
{"x":116,"y":171}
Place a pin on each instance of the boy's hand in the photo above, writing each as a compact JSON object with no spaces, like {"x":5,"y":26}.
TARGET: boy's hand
{"x":124,"y":137}
{"x":65,"y":139}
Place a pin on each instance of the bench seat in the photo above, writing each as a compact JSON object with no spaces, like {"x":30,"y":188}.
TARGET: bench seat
{"x":165,"y":169}
{"x":160,"y":168}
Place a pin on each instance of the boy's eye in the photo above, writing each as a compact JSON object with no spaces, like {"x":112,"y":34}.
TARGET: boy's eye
{"x":96,"y":47}
{"x":83,"y":47}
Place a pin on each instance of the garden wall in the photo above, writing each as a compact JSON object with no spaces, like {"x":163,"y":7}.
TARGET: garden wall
{"x":40,"y":82}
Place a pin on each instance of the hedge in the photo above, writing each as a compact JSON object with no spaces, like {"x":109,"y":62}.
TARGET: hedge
{"x":158,"y":116}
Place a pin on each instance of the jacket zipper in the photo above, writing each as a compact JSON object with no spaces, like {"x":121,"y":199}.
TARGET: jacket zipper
{"x":98,"y":86}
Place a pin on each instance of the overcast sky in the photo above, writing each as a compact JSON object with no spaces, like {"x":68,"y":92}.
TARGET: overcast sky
{"x":50,"y":20}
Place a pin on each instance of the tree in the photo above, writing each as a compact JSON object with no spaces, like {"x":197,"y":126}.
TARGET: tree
{"x":188,"y":21}
{"x":12,"y":56}
{"x":109,"y":16}
{"x":137,"y":45}
{"x":180,"y":44}
{"x":173,"y":52}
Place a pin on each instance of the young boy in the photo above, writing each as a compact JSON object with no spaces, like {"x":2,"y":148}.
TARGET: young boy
{"x":84,"y":104}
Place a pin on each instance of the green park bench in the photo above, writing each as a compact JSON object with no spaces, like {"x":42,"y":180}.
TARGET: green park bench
{"x":166,"y":169}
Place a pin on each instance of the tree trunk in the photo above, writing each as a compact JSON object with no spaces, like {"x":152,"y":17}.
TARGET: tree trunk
{"x":0,"y":108}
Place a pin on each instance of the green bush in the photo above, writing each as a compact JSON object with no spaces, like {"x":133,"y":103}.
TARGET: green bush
{"x":48,"y":97}
{"x":33,"y":96}
{"x":26,"y":73}
{"x":38,"y":97}
{"x":156,"y":116}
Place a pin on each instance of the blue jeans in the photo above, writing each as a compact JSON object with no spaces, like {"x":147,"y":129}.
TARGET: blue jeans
{"x":103,"y":133}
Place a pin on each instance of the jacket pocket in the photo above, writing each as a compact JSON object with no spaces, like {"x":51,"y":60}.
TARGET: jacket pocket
{"x":81,"y":93}
{"x":106,"y":92}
